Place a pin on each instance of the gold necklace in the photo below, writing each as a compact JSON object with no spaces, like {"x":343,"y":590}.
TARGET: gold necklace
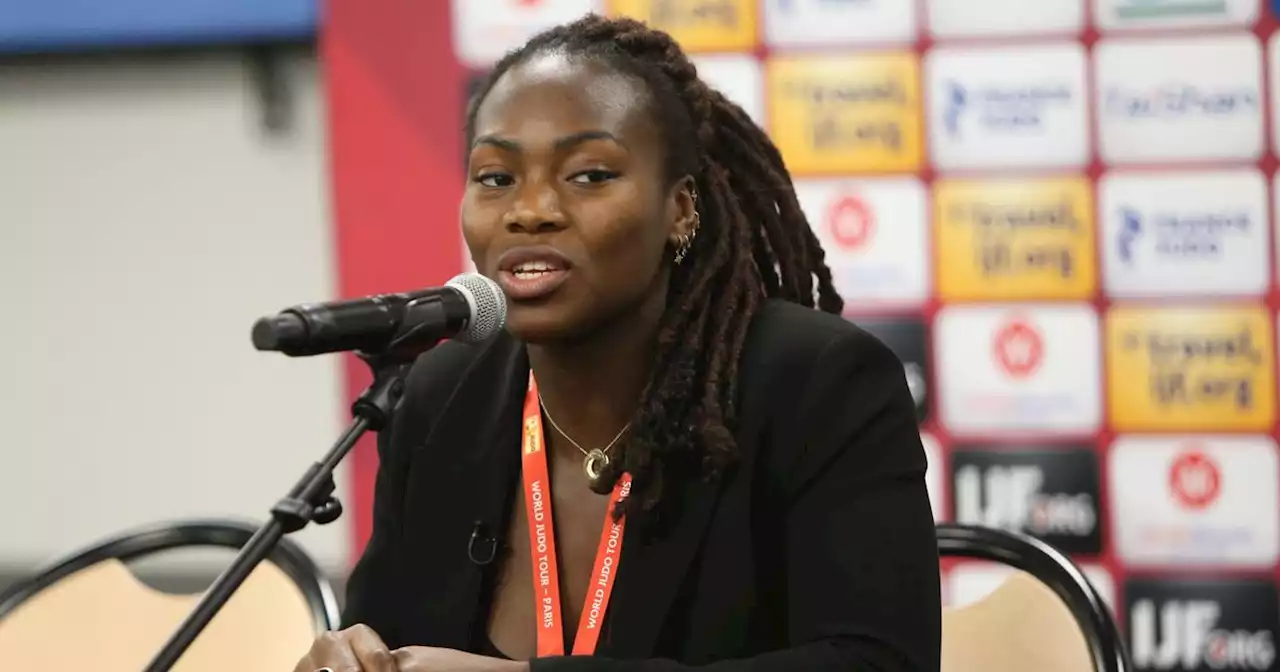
{"x":594,"y":461}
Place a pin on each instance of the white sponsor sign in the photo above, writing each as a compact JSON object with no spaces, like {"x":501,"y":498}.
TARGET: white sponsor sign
{"x":1007,"y":106}
{"x":790,"y":23}
{"x":1195,"y":500}
{"x":1179,"y":99}
{"x":874,"y":232}
{"x":1157,"y":14}
{"x":1018,"y":368}
{"x":999,"y":18}
{"x":1188,"y":233}
{"x":485,"y":30}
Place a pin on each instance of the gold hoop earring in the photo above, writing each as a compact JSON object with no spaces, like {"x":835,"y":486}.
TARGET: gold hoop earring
{"x":686,"y":240}
{"x":682,"y":250}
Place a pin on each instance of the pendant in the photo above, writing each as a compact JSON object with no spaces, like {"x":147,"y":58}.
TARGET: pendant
{"x":594,"y":463}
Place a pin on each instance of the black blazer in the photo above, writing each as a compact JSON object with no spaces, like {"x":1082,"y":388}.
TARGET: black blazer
{"x":815,"y":552}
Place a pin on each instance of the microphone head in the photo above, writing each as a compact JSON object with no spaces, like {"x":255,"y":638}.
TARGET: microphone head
{"x":487,"y":302}
{"x":278,"y":332}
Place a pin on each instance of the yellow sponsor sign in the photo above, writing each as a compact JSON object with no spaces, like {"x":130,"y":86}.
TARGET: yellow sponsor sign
{"x":1014,"y":239}
{"x":856,"y":113}
{"x":706,"y":25}
{"x":1190,"y":368}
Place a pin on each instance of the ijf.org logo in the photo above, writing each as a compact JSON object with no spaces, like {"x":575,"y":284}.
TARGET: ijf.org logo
{"x":1178,"y":236}
{"x":1190,"y":368}
{"x":698,"y":25}
{"x":1181,"y":100}
{"x":1202,"y":625}
{"x":1008,"y":239}
{"x":1002,"y":109}
{"x":830,"y":104}
{"x":846,"y":113}
{"x":1052,"y":493}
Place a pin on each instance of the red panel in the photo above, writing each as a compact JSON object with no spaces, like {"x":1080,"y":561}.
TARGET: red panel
{"x":394,"y":99}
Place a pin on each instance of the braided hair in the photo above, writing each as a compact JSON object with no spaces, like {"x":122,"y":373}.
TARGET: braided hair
{"x":753,"y":242}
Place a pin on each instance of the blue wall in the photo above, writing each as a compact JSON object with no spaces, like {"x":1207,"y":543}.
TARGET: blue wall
{"x":63,"y":25}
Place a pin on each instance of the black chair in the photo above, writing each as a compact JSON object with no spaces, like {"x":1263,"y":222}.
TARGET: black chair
{"x":93,"y":592}
{"x":1054,"y":570}
{"x":138,"y":543}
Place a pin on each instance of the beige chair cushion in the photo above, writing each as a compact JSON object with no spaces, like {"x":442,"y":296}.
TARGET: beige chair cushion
{"x":103,"y":618}
{"x":1021,"y":626}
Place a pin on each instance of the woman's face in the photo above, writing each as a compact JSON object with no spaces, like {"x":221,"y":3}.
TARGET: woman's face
{"x":565,"y":205}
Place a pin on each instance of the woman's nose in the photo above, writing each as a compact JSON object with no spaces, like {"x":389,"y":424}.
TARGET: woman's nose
{"x":536,"y":209}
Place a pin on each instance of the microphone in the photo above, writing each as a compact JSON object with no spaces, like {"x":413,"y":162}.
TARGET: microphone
{"x":470,"y":307}
{"x":388,"y":331}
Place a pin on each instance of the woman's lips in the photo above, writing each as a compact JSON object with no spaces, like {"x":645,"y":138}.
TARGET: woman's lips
{"x":532,"y":272}
{"x":530,"y":285}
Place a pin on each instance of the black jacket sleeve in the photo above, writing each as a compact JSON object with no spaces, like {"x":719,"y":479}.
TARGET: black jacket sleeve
{"x":369,"y":583}
{"x":373,"y":588}
{"x":862,"y":555}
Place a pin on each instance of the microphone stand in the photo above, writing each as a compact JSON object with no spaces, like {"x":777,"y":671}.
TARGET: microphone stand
{"x":310,"y":499}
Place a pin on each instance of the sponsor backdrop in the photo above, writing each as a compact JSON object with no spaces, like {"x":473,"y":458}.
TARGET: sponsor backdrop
{"x":1059,"y":213}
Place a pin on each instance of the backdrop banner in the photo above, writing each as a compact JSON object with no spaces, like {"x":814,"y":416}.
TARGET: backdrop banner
{"x":1059,"y":213}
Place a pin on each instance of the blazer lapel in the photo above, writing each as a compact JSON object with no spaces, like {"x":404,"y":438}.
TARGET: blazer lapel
{"x":469,"y":466}
{"x":650,"y":575}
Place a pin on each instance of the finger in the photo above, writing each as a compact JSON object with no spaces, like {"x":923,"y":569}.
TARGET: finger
{"x":305,"y":665}
{"x":404,"y":658}
{"x":370,"y":650}
{"x":333,"y":650}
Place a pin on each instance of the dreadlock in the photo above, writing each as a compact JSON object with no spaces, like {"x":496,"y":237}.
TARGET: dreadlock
{"x":753,"y":242}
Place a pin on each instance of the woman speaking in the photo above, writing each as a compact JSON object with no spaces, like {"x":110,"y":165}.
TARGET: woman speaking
{"x":669,"y":459}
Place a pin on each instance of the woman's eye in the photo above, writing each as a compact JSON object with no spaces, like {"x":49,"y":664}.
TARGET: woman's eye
{"x":494,"y":179}
{"x":593,"y":176}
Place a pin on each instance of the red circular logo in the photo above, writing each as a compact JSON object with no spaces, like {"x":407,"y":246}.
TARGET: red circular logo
{"x":851,"y":222}
{"x":1194,"y":479}
{"x":1019,"y":349}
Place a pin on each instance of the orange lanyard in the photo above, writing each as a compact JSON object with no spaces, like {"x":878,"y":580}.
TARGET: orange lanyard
{"x":542,"y":545}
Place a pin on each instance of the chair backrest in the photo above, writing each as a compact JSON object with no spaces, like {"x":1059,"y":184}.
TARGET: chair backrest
{"x":1020,"y":626}
{"x":91,"y":612}
{"x":1045,"y":617}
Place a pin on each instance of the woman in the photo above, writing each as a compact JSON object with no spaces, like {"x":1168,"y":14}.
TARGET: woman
{"x":662,"y":354}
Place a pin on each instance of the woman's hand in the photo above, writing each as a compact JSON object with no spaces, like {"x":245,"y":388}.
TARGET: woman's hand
{"x":356,"y":649}
{"x":431,"y":659}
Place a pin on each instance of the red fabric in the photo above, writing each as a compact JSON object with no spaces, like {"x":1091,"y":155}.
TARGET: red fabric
{"x":394,"y":105}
